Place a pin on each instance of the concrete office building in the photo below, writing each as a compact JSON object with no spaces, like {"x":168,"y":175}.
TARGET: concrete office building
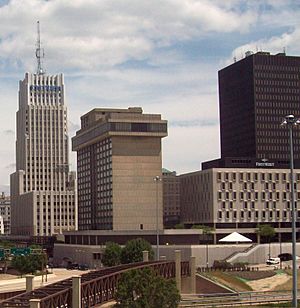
{"x":255,"y":94}
{"x":238,"y":198}
{"x":118,"y":157}
{"x":43,"y":193}
{"x":5,"y":213}
{"x":171,"y":198}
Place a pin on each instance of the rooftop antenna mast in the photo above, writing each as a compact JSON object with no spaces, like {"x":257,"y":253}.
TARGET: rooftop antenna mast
{"x":39,"y":52}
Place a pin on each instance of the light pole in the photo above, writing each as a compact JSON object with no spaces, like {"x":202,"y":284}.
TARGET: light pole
{"x":290,"y":121}
{"x":157,"y":179}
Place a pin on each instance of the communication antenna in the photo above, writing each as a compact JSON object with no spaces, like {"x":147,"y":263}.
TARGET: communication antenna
{"x":39,"y":52}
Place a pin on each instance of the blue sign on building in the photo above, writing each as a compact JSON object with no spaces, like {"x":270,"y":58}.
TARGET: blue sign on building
{"x":45,"y":88}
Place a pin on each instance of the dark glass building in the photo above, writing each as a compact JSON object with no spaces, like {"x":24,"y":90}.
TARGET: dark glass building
{"x":256,"y":93}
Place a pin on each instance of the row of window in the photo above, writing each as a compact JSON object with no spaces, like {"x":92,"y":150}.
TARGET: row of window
{"x":247,"y":176}
{"x":255,"y":195}
{"x":249,"y":215}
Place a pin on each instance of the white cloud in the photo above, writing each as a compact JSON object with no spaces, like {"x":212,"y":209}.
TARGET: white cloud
{"x":88,"y":35}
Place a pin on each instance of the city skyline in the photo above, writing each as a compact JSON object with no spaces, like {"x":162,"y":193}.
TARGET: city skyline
{"x":161,"y":57}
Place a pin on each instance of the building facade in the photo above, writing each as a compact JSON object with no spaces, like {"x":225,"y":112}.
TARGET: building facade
{"x":238,"y":198}
{"x":255,"y":94}
{"x":5,"y":213}
{"x":43,"y":194}
{"x":171,"y":198}
{"x":118,"y":157}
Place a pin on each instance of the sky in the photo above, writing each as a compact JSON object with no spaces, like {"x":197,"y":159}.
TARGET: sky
{"x":161,"y":55}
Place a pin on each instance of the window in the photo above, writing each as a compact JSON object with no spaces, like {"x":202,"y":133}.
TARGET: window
{"x":220,"y":195}
{"x":241,"y":176}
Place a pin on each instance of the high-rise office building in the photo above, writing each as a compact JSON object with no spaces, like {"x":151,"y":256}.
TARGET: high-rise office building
{"x":118,"y":157}
{"x":43,"y":196}
{"x":256,"y":93}
{"x":171,"y":198}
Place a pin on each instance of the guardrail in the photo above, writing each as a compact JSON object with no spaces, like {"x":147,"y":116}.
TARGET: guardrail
{"x":236,"y":299}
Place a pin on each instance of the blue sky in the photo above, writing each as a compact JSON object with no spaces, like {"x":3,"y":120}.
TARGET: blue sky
{"x":162,"y":55}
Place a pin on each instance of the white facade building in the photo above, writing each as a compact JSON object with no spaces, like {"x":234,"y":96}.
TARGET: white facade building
{"x":5,"y":213}
{"x":43,"y":195}
{"x":238,"y":197}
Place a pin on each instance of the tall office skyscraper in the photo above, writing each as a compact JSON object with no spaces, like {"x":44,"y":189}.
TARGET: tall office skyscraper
{"x":256,"y":93}
{"x":118,"y":157}
{"x":43,"y":196}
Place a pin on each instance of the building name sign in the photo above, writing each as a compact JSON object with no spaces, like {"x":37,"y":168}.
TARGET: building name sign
{"x":45,"y":88}
{"x":264,"y":164}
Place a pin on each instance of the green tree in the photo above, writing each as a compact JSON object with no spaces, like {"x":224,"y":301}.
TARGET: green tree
{"x":179,"y":226}
{"x":29,"y":264}
{"x":112,"y":254}
{"x":207,"y":231}
{"x":21,"y":264}
{"x":133,"y":251}
{"x":145,"y":289}
{"x":268,"y":232}
{"x":5,"y":261}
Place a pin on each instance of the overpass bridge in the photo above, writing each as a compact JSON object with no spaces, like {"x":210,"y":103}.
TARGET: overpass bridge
{"x":96,"y":287}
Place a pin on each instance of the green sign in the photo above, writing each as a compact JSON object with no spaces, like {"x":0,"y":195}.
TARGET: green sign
{"x":1,"y":254}
{"x":18,"y":251}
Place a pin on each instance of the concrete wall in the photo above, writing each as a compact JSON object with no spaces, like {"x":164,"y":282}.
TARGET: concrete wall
{"x":258,"y":254}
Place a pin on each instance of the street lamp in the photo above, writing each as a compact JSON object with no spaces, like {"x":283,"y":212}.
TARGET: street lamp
{"x":157,"y":179}
{"x":290,"y":122}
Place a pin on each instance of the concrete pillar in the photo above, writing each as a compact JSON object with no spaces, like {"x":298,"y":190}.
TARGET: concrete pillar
{"x":35,"y":303}
{"x":163,"y":258}
{"x":76,"y":292}
{"x":178,"y":269}
{"x":145,"y":255}
{"x":193,"y":275}
{"x":29,"y":283}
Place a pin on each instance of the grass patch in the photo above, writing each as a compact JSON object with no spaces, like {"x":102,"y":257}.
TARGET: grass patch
{"x":254,"y":275}
{"x":229,"y":280}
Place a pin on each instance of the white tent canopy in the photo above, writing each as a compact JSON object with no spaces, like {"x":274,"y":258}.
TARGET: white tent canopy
{"x":235,"y":237}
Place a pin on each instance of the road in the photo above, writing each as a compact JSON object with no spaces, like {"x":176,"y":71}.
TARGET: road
{"x":18,"y":284}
